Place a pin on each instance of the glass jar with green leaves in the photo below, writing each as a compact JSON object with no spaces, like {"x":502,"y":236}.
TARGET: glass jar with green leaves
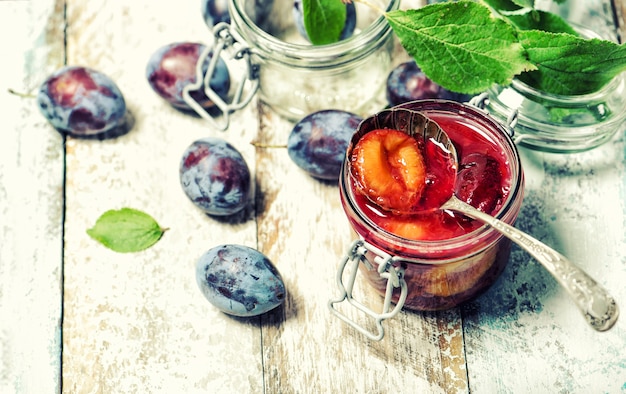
{"x":297,"y":77}
{"x":563,"y":83}
{"x":578,"y":118}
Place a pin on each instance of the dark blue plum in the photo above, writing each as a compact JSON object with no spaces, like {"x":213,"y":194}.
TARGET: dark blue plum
{"x":239,"y":280}
{"x":215,"y":11}
{"x":82,"y":102}
{"x":215,"y":177}
{"x":407,"y":83}
{"x":173,"y":66}
{"x":346,"y":32}
{"x":318,"y":142}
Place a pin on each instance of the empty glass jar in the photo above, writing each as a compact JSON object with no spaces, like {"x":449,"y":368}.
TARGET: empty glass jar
{"x":572,"y":123}
{"x":297,"y":78}
{"x":562,"y":124}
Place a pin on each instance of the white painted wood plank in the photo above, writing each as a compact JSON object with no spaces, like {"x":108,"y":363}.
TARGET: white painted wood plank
{"x":31,"y":203}
{"x":526,"y":329}
{"x":303,"y":229}
{"x":525,"y":334}
{"x":619,"y":9}
{"x":137,"y":322}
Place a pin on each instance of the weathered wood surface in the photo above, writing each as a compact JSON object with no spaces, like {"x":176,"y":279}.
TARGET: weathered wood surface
{"x":31,"y":202}
{"x":78,"y":318}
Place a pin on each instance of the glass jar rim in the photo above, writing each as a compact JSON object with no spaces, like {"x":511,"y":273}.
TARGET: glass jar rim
{"x":360,"y":42}
{"x":485,"y":235}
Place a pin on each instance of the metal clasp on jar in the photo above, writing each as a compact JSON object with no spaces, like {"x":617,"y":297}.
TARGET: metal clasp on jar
{"x":224,"y":41}
{"x":386,"y":269}
{"x":481,"y":101}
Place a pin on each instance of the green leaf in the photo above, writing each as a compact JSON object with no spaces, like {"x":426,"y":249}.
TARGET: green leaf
{"x":460,"y":45}
{"x":323,"y":20}
{"x":570,"y":65}
{"x":510,"y":5}
{"x":126,"y":230}
{"x":541,"y":20}
{"x":503,"y":5}
{"x":525,"y":3}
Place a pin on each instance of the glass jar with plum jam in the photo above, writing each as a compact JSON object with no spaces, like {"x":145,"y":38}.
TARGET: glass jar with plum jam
{"x":297,"y":78}
{"x":435,"y":259}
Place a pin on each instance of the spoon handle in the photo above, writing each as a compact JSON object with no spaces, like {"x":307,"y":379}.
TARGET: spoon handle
{"x":597,"y":305}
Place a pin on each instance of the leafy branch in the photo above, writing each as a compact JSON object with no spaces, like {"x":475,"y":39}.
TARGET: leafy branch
{"x":467,"y":46}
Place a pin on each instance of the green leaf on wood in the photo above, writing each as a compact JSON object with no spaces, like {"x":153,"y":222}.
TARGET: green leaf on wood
{"x":323,"y":20}
{"x":460,"y":45}
{"x":569,"y":65}
{"x":126,"y":230}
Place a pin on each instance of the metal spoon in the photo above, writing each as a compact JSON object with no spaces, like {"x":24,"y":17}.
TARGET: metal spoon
{"x":594,"y":301}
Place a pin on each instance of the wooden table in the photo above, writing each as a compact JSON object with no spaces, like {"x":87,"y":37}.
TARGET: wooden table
{"x":79,"y":318}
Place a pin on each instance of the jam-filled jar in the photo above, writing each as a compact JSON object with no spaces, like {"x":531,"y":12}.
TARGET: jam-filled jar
{"x":295,"y":77}
{"x":442,"y":259}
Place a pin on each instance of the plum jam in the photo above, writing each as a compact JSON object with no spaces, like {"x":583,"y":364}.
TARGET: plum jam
{"x":446,"y":258}
{"x":483,"y":181}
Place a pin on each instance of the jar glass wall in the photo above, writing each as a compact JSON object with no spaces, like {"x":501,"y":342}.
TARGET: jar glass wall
{"x":297,"y":78}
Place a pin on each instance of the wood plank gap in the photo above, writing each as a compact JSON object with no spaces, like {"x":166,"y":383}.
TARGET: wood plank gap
{"x":63,"y":213}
